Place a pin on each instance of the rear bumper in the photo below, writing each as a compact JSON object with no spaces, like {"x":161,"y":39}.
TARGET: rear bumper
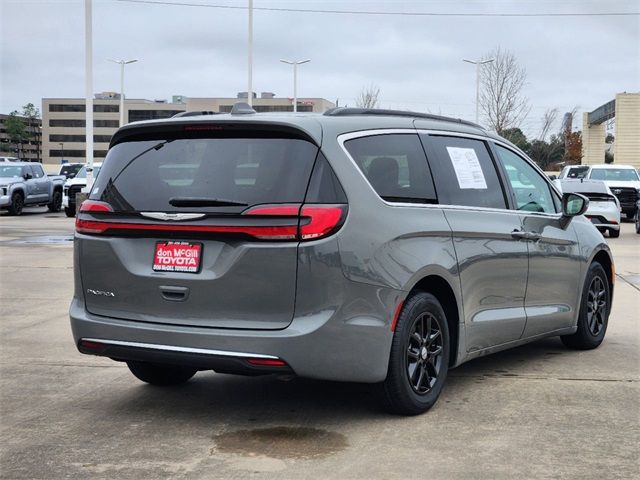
{"x":329,"y":345}
{"x":224,"y":362}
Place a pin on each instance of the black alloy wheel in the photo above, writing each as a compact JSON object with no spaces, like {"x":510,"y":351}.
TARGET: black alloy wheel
{"x":419,"y":357}
{"x":597,"y":308}
{"x":424,"y":353}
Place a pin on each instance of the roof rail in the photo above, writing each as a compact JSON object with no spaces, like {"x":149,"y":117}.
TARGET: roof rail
{"x":194,"y":114}
{"x":347,"y":112}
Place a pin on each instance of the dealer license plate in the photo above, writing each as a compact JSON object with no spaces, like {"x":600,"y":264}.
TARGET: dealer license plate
{"x":183,"y":257}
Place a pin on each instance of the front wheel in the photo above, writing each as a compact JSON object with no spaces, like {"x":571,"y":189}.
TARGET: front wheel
{"x":594,"y":312}
{"x":69,"y":212}
{"x":162,"y":375}
{"x":17,"y":203}
{"x":56,"y":202}
{"x":419,"y":358}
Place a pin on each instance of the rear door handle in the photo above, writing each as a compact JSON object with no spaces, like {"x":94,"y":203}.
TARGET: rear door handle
{"x":519,"y":235}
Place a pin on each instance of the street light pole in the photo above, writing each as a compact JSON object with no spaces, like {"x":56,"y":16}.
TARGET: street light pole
{"x":122,"y":63}
{"x":88,"y":74}
{"x":295,"y":79}
{"x":250,"y":57}
{"x":62,"y":151}
{"x":478,"y":64}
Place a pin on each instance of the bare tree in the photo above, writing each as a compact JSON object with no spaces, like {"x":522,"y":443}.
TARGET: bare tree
{"x":548,"y":120}
{"x":369,"y":97}
{"x":501,"y":91}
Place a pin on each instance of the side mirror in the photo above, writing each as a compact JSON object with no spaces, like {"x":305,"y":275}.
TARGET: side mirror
{"x":27,"y":176}
{"x":574,"y":204}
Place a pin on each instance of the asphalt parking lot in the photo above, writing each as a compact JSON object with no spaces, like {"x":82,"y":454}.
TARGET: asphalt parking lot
{"x":538,"y":411}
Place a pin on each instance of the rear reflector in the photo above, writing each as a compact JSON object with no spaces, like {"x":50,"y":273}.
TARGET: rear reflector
{"x":396,"y":315}
{"x":91,"y":345}
{"x":266,"y":362}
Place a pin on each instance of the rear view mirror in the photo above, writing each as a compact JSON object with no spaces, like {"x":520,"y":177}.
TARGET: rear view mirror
{"x":574,"y":204}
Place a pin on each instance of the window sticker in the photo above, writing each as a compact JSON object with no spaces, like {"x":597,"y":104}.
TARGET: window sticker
{"x":467,"y":167}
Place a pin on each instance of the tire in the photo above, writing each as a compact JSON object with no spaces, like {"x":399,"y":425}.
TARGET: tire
{"x":69,"y":212}
{"x":638,"y":221}
{"x":56,"y":202}
{"x":614,"y":233}
{"x":419,"y":358}
{"x":161,"y":375}
{"x":17,"y":204}
{"x":592,"y":324}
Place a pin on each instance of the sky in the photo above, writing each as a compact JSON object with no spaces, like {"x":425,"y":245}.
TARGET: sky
{"x":415,"y":60}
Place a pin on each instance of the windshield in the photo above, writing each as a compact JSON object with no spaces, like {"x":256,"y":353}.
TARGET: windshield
{"x":577,"y":172}
{"x":69,"y":169}
{"x":82,"y":173}
{"x":614,"y":174}
{"x":205,"y":174}
{"x":10,"y":171}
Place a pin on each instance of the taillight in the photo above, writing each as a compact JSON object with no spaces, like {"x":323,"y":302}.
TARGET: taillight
{"x":296,"y":222}
{"x":324,"y":220}
{"x":95,"y":206}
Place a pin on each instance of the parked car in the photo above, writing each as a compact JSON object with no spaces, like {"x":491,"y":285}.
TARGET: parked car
{"x":604,"y":207}
{"x":624,"y":182}
{"x":573,"y":171}
{"x":25,"y":184}
{"x":70,"y":170}
{"x":9,"y":159}
{"x":75,"y":185}
{"x":360,"y":245}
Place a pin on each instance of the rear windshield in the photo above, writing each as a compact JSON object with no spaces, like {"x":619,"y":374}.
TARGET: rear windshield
{"x":612,"y":174}
{"x":205,"y":174}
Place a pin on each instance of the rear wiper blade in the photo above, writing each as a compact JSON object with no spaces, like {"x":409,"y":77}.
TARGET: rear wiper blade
{"x":204,"y":202}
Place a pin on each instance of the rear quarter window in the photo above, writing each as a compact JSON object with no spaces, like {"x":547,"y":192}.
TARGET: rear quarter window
{"x":395,"y":165}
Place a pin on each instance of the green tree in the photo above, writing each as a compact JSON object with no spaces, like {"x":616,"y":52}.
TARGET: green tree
{"x":32,"y":114}
{"x":16,"y":131}
{"x":517,"y":137}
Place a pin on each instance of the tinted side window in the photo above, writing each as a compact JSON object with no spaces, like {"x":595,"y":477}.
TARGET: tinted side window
{"x":395,"y":165}
{"x":324,"y":186}
{"x":464,"y":172}
{"x":531,"y":192}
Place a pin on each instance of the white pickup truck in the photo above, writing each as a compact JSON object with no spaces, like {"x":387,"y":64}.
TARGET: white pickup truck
{"x":24,"y":184}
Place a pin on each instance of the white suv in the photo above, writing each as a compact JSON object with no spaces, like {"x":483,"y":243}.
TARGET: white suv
{"x":624,"y":182}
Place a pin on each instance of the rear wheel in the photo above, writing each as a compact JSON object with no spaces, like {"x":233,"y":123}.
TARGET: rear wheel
{"x":69,"y":212}
{"x":594,"y":311}
{"x":17,"y":203}
{"x":162,"y":375}
{"x":638,"y":221}
{"x":419,"y":358}
{"x":56,"y":202}
{"x":614,"y":233}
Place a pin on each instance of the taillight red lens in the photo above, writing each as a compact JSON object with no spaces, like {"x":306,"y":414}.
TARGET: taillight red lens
{"x":95,"y":206}
{"x":266,"y":362}
{"x":324,"y":219}
{"x":274,"y":210}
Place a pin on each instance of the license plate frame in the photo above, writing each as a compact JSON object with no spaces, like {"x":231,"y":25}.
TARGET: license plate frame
{"x":175,"y":256}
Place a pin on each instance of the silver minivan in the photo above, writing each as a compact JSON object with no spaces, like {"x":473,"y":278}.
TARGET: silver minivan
{"x":359,"y":245}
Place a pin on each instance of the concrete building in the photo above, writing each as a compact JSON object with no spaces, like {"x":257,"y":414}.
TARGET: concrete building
{"x":625,"y":108}
{"x":30,"y":149}
{"x":267,"y":102}
{"x":63,"y":123}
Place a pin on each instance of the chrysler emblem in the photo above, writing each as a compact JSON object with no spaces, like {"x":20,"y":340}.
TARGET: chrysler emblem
{"x":176,"y":217}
